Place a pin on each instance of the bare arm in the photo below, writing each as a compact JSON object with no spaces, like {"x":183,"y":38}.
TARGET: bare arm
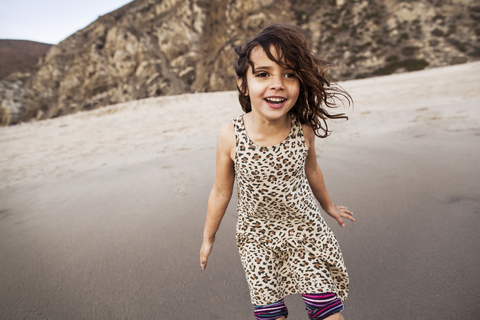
{"x":317,"y":184}
{"x":221,"y":190}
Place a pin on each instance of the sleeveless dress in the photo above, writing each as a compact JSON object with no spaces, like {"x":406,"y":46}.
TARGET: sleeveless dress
{"x":284,"y":243}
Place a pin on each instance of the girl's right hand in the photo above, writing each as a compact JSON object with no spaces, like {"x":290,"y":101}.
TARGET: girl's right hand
{"x":205,"y":250}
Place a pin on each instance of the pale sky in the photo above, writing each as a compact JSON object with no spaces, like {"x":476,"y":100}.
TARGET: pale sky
{"x":50,"y":21}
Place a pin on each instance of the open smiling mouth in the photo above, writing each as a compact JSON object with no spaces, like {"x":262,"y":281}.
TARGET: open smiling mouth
{"x":275,"y":100}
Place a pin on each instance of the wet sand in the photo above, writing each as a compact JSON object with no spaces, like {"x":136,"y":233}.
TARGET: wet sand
{"x":102,"y":212}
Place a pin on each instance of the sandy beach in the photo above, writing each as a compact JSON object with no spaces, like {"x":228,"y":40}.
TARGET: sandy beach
{"x":102,"y":212}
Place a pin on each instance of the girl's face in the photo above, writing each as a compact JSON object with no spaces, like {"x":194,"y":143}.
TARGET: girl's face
{"x":273,"y":89}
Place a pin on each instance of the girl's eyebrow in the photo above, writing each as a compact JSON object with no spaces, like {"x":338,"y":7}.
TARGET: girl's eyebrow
{"x":267,"y":68}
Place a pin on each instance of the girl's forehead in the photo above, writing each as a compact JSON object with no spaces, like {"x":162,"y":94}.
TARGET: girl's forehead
{"x":258,"y":53}
{"x":259,"y":57}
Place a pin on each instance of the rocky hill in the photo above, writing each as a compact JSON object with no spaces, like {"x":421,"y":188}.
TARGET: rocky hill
{"x":165,"y":47}
{"x":20,"y":56}
{"x":18,"y":60}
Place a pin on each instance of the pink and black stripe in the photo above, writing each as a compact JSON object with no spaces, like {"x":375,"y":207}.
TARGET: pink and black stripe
{"x":322,"y":305}
{"x":271,"y":311}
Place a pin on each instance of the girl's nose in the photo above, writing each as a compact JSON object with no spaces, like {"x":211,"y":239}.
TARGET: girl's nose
{"x":277,"y":82}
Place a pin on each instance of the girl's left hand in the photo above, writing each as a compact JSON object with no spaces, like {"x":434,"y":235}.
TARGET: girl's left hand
{"x":339,"y":212}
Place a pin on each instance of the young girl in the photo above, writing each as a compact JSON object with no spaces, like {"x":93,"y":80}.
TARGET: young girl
{"x":284,"y":244}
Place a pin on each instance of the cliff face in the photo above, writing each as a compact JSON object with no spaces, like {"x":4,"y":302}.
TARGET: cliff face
{"x":18,"y":60}
{"x":153,"y":47}
{"x":146,"y":49}
{"x":380,"y":37}
{"x":20,"y":56}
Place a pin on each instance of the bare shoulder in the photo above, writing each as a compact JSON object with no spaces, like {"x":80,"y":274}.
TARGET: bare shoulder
{"x":309,"y":135}
{"x":226,"y":138}
{"x":227,"y":132}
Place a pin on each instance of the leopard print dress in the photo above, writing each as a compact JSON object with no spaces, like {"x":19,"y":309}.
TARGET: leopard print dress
{"x":284,"y":243}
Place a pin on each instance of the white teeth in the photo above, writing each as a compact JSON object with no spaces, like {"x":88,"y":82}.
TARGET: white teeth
{"x":276,"y":100}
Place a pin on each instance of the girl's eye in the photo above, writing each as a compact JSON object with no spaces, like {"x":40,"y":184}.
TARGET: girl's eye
{"x":290,"y":75}
{"x":262,"y":74}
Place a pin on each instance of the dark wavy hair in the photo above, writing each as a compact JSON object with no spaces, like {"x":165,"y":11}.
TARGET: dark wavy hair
{"x":316,"y":91}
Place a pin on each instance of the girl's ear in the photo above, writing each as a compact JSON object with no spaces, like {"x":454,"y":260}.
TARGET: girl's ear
{"x":239,"y":84}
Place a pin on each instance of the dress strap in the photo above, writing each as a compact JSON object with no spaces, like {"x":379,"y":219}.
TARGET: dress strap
{"x":239,"y":129}
{"x":296,"y":127}
{"x":297,"y":130}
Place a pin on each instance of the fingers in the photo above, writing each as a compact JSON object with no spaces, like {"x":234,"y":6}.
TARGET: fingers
{"x":203,"y":261}
{"x":203,"y":264}
{"x":345,"y":213}
{"x":204,"y":253}
{"x":350,"y":218}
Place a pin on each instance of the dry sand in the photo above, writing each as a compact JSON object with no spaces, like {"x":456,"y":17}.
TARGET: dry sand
{"x":101,"y":212}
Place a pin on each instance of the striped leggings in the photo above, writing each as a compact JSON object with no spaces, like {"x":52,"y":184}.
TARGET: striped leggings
{"x":319,"y":306}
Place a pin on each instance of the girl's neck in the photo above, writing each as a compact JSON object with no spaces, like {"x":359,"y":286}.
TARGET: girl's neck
{"x":264,"y":132}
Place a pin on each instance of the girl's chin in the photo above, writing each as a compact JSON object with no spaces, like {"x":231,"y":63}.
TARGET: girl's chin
{"x":272,"y":114}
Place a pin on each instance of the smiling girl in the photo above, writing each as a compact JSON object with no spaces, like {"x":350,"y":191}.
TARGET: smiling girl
{"x":284,"y":243}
